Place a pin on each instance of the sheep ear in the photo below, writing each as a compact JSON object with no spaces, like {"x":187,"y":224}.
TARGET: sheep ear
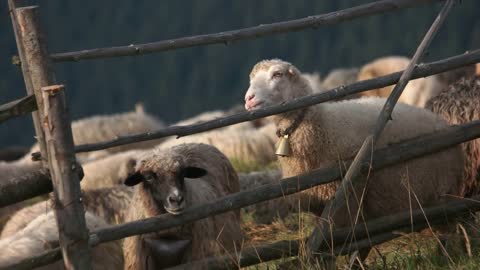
{"x":134,"y":179}
{"x":193,"y":172}
{"x":291,"y":72}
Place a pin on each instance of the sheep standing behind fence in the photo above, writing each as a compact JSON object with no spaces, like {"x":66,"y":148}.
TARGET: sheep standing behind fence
{"x":164,"y":183}
{"x":326,"y":133}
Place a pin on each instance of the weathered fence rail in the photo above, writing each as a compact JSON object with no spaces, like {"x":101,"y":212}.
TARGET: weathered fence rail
{"x":17,"y":108}
{"x":243,"y":34}
{"x":422,"y":70}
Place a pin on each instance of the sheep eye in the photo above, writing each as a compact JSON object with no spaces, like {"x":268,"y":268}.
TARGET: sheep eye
{"x":277,"y":74}
{"x":149,"y":177}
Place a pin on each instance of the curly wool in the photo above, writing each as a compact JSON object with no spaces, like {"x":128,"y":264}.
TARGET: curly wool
{"x":459,"y":104}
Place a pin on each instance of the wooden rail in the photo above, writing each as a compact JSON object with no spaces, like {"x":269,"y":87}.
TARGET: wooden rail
{"x":17,"y":108}
{"x":228,"y":37}
{"x":421,"y":70}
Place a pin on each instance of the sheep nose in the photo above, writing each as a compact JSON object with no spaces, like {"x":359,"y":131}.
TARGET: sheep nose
{"x":249,"y":97}
{"x":178,"y":199}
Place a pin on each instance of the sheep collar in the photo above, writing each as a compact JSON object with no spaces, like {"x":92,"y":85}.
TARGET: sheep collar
{"x":296,"y":122}
{"x":283,"y":145}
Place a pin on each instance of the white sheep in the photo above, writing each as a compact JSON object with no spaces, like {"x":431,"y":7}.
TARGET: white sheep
{"x":243,"y":145}
{"x":102,"y":128}
{"x":110,"y":204}
{"x":164,"y":184}
{"x":338,"y":77}
{"x":41,"y":234}
{"x":109,"y":170}
{"x":14,"y":169}
{"x":315,"y":81}
{"x":326,"y":133}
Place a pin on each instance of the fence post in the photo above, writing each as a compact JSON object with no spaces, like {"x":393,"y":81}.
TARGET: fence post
{"x":38,"y":70}
{"x":20,"y":35}
{"x":68,"y":206}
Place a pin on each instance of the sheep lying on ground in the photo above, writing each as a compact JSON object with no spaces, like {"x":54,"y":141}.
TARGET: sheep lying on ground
{"x":459,"y":104}
{"x":164,"y":185}
{"x":315,"y":81}
{"x":110,"y":204}
{"x":110,"y":170}
{"x":15,"y":169}
{"x":41,"y":233}
{"x":264,"y":212}
{"x":322,"y":135}
{"x":338,"y":77}
{"x":417,"y":92}
{"x":242,"y":146}
{"x":108,"y":127}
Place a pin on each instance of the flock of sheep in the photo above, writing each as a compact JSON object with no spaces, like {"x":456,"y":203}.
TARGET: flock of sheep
{"x":147,"y":179}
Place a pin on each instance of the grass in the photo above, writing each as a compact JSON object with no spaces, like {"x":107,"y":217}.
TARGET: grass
{"x":411,"y":251}
{"x":242,"y":166}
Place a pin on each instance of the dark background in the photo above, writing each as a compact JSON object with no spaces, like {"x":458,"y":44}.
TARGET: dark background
{"x":179,"y":84}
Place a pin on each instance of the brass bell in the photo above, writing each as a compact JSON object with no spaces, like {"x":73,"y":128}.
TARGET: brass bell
{"x":283,"y":147}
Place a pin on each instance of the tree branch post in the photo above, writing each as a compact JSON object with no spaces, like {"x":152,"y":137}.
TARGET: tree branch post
{"x":352,"y":180}
{"x":68,"y":207}
{"x":30,"y":40}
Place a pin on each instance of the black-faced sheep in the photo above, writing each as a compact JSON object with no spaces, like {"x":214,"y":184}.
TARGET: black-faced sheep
{"x":459,"y":104}
{"x":417,"y":92}
{"x":164,"y":184}
{"x":330,"y":132}
{"x":41,"y":233}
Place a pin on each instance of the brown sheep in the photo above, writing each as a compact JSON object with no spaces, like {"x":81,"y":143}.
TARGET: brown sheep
{"x":164,"y":185}
{"x":459,"y":104}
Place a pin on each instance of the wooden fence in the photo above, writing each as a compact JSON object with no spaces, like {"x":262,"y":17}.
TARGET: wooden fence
{"x":46,"y":99}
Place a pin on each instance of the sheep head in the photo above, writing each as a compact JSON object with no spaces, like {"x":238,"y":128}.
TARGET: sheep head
{"x":273,"y":82}
{"x":164,"y":178}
